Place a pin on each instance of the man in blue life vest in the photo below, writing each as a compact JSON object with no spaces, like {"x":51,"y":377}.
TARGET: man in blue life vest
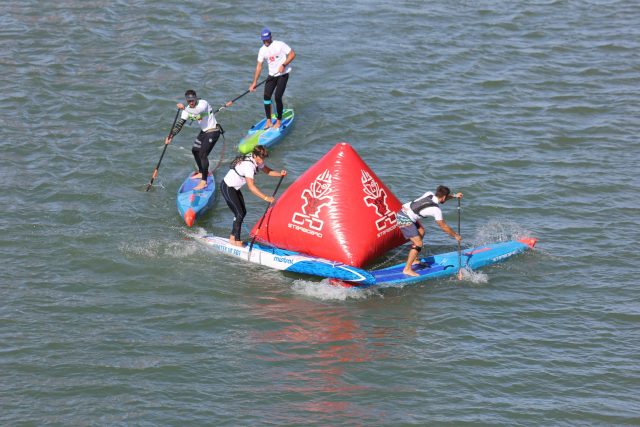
{"x":408,"y":218}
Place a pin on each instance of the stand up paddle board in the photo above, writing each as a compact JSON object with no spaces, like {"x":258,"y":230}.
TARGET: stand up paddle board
{"x":257,"y":135}
{"x":285,"y":260}
{"x":446,"y":264}
{"x":193,"y":203}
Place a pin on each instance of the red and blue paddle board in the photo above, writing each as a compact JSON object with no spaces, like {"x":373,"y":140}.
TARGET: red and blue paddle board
{"x":193,"y":203}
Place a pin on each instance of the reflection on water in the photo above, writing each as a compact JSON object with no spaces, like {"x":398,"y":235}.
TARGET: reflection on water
{"x":310,"y":350}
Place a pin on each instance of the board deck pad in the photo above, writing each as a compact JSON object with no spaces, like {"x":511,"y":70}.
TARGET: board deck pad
{"x":257,"y":135}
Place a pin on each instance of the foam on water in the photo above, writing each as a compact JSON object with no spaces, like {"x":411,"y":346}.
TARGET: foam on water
{"x":324,"y":290}
{"x":499,"y":231}
{"x":475,"y":277}
{"x":159,"y":249}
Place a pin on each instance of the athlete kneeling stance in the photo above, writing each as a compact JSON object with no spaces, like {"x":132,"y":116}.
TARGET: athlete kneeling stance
{"x":408,"y":220}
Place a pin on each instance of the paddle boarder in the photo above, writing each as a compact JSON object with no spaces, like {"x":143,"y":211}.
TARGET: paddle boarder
{"x":409,"y":215}
{"x":243,"y":170}
{"x":278,"y":56}
{"x":199,"y":110}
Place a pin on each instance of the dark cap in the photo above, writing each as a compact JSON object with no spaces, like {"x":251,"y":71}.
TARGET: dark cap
{"x":190,"y":95}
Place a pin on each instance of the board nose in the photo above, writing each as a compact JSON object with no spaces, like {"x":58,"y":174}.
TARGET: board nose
{"x":529,"y":241}
{"x":189,"y":217}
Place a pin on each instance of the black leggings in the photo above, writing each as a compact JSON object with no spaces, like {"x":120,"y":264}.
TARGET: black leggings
{"x":235,"y":201}
{"x":278,"y":83}
{"x":202,"y":147}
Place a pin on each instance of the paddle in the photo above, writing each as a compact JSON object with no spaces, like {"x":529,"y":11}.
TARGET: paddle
{"x":238,"y":97}
{"x":459,"y":245}
{"x":155,"y":172}
{"x":262,"y":219}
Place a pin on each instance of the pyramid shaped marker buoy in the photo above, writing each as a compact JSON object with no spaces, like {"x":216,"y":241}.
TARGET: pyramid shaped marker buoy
{"x":338,"y":210}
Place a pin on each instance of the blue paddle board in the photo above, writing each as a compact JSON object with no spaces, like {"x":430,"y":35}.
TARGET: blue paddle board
{"x":193,"y":203}
{"x":446,"y":264}
{"x":257,"y":135}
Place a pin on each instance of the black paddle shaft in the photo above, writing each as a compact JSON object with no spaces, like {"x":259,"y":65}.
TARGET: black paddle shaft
{"x":239,"y":96}
{"x":262,"y":219}
{"x":459,"y":243}
{"x":155,"y":171}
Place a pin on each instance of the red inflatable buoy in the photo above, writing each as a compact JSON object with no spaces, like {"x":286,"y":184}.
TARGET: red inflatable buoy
{"x":337,"y":210}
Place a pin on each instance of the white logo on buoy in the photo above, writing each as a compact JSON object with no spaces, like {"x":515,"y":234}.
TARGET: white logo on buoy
{"x":376,"y":197}
{"x":315,"y":197}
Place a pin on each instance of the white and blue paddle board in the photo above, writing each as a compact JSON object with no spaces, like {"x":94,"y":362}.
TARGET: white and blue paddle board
{"x":281,"y":259}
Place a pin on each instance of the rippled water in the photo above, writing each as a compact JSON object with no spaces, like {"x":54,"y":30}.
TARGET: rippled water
{"x":111,"y":314}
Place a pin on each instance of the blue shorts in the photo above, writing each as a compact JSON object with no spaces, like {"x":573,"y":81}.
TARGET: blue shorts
{"x":408,"y":228}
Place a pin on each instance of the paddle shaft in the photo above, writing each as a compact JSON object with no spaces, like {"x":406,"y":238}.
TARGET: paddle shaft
{"x":239,"y":96}
{"x":459,"y":243}
{"x":155,"y":171}
{"x":262,"y":219}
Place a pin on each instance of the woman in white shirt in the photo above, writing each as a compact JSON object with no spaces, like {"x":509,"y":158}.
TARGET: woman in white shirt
{"x":243,"y":169}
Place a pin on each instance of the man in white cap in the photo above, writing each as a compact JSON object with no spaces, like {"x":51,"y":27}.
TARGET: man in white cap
{"x":279,"y":56}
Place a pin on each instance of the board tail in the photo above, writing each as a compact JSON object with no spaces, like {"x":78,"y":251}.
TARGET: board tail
{"x":249,"y":142}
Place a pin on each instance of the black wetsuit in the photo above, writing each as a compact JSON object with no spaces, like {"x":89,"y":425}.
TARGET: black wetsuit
{"x":279,"y":83}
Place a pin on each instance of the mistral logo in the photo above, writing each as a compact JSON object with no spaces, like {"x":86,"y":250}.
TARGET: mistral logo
{"x":315,"y":198}
{"x":376,"y":197}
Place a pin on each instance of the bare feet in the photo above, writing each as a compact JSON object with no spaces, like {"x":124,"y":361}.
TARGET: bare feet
{"x":277,"y":124}
{"x":235,"y":242}
{"x":202,"y":185}
{"x":267,"y":125}
{"x":196,"y":175}
{"x":410,"y":273}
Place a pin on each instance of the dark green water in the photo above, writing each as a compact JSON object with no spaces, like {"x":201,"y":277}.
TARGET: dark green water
{"x":110,"y":314}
